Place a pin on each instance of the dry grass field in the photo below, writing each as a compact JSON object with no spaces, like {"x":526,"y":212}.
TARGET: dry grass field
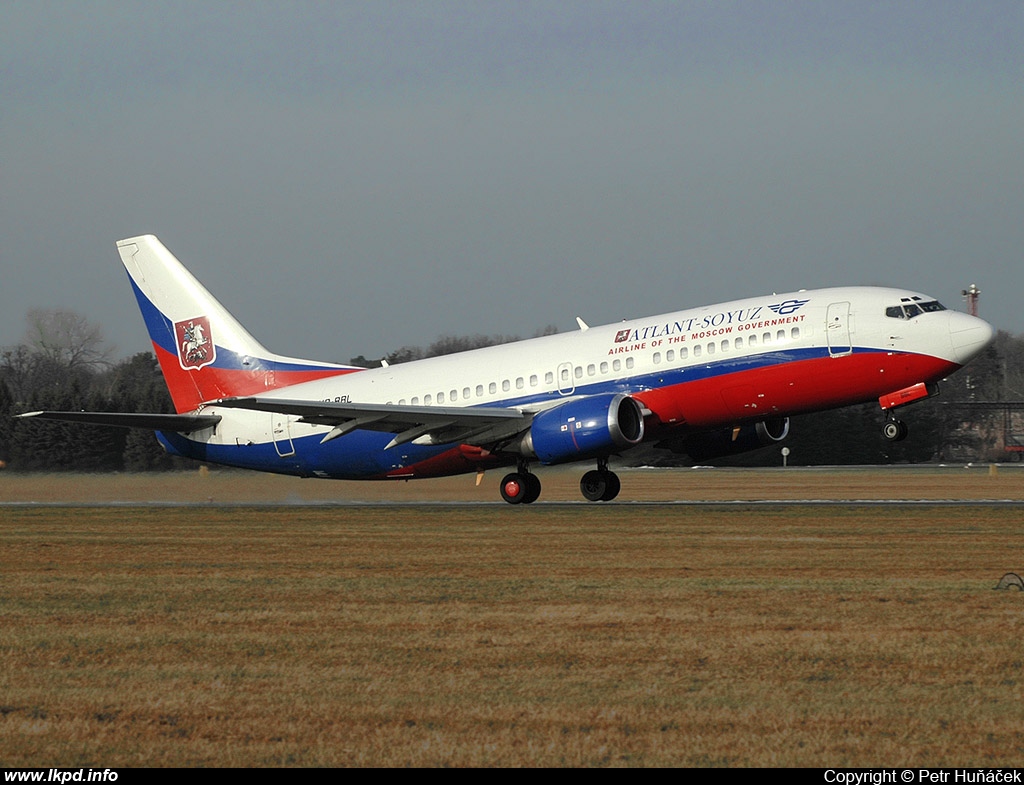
{"x":563,"y":634}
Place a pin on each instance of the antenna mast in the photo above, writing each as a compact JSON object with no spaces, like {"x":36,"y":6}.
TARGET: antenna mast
{"x":971,"y":295}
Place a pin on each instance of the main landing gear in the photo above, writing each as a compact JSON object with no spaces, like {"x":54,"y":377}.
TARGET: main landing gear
{"x":523,"y":486}
{"x":895,"y":430}
{"x":600,"y":485}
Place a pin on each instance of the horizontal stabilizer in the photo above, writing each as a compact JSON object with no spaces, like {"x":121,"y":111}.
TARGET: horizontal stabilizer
{"x":182,"y":423}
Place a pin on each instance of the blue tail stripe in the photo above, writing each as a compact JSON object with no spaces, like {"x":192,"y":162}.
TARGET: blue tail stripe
{"x":161,"y":332}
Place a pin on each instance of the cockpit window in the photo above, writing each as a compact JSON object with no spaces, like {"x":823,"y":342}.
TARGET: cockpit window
{"x":908,"y":310}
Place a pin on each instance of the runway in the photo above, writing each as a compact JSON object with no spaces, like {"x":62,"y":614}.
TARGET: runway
{"x":680,"y":487}
{"x":498,"y":505}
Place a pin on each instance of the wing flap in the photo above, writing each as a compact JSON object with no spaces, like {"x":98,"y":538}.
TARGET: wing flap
{"x":424,"y":424}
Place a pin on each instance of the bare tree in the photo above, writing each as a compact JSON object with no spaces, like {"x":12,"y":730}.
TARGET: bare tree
{"x":67,"y":338}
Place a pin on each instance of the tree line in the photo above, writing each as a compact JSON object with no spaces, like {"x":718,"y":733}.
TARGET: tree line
{"x":64,"y":363}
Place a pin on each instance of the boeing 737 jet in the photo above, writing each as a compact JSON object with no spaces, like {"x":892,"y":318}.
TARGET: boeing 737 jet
{"x":709,"y":381}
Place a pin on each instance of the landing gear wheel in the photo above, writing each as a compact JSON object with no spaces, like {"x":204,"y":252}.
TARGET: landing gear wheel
{"x":514,"y":488}
{"x":895,"y":430}
{"x":532,"y":488}
{"x":613,"y":487}
{"x":600,"y":485}
{"x":520,"y":488}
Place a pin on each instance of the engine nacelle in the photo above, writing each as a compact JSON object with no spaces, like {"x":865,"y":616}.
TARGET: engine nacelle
{"x":585,"y":428}
{"x":731,"y":441}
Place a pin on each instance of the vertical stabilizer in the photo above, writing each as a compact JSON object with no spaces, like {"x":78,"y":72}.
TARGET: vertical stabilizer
{"x":204,"y":352}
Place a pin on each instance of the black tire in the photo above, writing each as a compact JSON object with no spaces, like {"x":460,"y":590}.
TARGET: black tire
{"x":614,"y":486}
{"x":532,"y":488}
{"x":514,"y":488}
{"x":594,"y":485}
{"x":895,"y":430}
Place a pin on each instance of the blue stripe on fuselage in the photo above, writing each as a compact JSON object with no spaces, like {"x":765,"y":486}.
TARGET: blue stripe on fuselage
{"x":356,"y":455}
{"x":361,"y":454}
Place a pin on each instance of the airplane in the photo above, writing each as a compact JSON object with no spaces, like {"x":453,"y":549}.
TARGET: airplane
{"x":709,"y":381}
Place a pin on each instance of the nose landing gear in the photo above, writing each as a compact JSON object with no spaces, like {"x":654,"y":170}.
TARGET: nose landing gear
{"x":895,"y":430}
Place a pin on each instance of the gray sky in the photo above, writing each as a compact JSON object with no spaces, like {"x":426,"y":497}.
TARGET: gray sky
{"x":352,"y":177}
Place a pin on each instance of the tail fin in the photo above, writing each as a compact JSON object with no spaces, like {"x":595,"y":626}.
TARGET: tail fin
{"x":204,"y":352}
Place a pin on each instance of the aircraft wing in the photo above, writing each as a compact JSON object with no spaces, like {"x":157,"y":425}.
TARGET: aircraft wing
{"x":424,"y":424}
{"x":182,"y":423}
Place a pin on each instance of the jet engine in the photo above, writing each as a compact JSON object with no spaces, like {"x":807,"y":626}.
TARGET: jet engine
{"x":589,"y":427}
{"x":730,"y":441}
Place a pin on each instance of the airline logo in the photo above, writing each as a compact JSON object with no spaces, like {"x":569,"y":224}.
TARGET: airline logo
{"x":195,"y":343}
{"x":698,"y":328}
{"x":787,"y":307}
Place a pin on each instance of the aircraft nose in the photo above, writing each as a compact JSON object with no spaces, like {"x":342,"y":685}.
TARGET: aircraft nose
{"x":969,"y":335}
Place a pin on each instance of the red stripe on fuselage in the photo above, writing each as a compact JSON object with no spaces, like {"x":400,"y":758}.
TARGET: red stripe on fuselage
{"x":791,"y":388}
{"x":720,"y":401}
{"x":190,"y":388}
